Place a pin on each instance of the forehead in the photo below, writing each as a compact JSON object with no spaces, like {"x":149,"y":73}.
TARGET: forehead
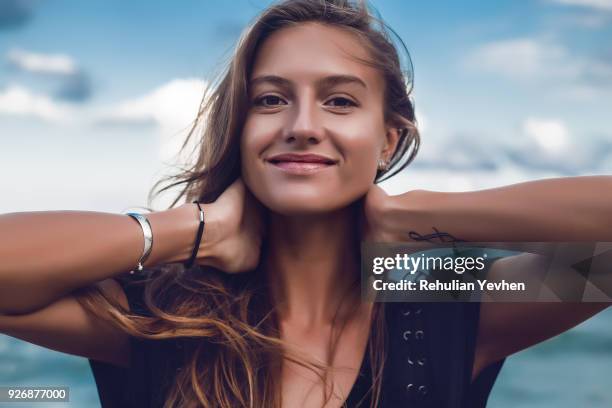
{"x":309,"y":51}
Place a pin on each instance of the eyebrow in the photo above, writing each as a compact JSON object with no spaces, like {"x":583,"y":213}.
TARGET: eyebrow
{"x":328,"y":81}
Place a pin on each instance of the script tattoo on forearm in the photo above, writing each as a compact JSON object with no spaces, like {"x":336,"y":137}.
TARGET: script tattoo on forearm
{"x":442,"y":236}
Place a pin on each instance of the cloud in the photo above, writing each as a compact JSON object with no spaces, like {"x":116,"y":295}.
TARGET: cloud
{"x":464,"y":164}
{"x":74,"y":83}
{"x":521,"y":58}
{"x":54,"y":64}
{"x":17,"y":100}
{"x":551,"y":135}
{"x":548,"y":144}
{"x":603,"y":5}
{"x":75,"y":88}
{"x":171,"y":108}
{"x":593,"y":20}
{"x":542,"y":62}
{"x":459,"y":152}
{"x":15,"y":13}
{"x":541,"y":145}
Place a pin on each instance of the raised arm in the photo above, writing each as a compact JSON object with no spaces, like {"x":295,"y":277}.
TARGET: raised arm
{"x":45,"y":255}
{"x":558,"y":209}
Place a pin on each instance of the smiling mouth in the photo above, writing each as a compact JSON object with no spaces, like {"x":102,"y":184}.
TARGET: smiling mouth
{"x":300,"y":167}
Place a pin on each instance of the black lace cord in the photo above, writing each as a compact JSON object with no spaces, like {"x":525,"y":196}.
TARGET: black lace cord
{"x":196,"y":246}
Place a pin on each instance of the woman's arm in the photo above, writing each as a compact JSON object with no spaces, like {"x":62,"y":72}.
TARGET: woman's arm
{"x":65,"y":325}
{"x":44,"y":255}
{"x":558,"y":209}
{"x":506,"y":328}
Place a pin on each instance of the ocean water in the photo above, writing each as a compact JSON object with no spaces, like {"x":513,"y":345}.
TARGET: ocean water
{"x":571,"y":370}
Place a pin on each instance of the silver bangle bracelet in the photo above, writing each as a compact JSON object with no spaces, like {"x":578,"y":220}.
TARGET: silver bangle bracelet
{"x":147,"y":233}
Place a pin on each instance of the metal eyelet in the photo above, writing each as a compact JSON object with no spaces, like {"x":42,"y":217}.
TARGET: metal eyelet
{"x":407,"y":312}
{"x":422,"y":390}
{"x":410,"y":387}
{"x":421,"y":361}
{"x":407,"y":334}
{"x":419,"y":334}
{"x":410,"y":361}
{"x":418,"y":311}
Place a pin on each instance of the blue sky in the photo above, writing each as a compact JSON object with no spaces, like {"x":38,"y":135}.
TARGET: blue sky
{"x":93,"y":95}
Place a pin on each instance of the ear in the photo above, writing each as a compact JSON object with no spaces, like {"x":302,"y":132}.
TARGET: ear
{"x":395,"y":128}
{"x":393,"y":132}
{"x":392,"y":136}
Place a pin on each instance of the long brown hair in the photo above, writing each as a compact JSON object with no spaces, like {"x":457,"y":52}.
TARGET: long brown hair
{"x":228,"y":326}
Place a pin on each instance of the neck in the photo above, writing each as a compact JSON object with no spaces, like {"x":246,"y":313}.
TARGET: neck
{"x":313,"y":265}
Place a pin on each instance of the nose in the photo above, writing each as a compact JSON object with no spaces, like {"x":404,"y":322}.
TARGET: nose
{"x":304,"y":126}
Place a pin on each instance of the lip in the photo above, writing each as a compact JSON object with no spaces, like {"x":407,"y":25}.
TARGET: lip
{"x":295,"y":163}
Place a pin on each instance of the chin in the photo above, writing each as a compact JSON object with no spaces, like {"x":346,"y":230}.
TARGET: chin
{"x":302,"y":204}
{"x":298,"y":207}
{"x":304,"y":198}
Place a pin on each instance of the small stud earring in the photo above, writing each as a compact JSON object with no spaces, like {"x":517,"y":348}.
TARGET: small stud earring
{"x":382,"y":165}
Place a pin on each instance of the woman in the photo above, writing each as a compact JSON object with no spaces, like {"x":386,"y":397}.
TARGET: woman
{"x":312,"y":111}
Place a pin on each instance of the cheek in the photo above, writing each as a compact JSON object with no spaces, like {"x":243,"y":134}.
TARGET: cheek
{"x":259,"y":132}
{"x":361,"y":139}
{"x":361,"y":143}
{"x":359,"y":170}
{"x":253,"y":141}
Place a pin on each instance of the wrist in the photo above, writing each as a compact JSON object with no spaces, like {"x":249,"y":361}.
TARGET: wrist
{"x":185,"y":221}
{"x":410,"y":211}
{"x":172,"y":234}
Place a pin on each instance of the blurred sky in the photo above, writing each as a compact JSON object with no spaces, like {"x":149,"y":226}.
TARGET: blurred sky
{"x":94,"y":95}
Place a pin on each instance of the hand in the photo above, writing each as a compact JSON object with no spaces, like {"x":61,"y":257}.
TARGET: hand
{"x":387,"y":218}
{"x":233,"y":233}
{"x":376,"y":225}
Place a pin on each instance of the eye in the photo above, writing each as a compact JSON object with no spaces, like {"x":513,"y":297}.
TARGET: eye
{"x":268,"y":101}
{"x":340,"y":102}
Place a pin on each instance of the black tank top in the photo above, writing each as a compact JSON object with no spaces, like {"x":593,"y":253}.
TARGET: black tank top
{"x":429,"y":361}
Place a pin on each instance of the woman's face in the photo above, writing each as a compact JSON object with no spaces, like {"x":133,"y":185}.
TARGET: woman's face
{"x":307,"y":96}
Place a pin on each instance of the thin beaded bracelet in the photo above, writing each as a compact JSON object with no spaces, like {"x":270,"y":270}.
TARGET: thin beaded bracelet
{"x":194,"y":253}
